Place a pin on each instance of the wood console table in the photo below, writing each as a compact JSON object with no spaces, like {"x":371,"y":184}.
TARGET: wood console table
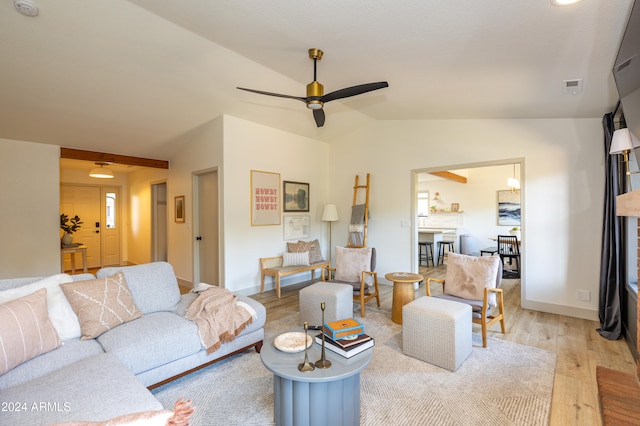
{"x":72,"y":251}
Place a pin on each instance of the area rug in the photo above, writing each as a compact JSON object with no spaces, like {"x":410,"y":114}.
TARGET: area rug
{"x":503,"y":384}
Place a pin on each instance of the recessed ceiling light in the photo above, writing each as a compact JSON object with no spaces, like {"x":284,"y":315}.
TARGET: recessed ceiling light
{"x":563,"y":2}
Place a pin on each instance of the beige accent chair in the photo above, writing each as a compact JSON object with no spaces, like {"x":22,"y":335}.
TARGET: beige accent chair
{"x":355,"y":266}
{"x":475,"y":281}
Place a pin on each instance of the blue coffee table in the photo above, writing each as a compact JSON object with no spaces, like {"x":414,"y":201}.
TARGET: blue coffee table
{"x":329,"y":396}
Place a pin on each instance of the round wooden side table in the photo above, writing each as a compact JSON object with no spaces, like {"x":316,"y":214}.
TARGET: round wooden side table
{"x":403,"y":292}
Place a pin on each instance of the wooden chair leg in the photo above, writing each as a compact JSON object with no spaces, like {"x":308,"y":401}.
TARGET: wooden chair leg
{"x":278,"y":286}
{"x":362,"y":304}
{"x":503,"y":327}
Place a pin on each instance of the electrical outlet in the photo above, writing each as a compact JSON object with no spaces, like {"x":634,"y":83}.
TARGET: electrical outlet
{"x":583,"y":295}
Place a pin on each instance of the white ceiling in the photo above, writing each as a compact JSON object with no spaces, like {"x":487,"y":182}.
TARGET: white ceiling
{"x":128,"y":77}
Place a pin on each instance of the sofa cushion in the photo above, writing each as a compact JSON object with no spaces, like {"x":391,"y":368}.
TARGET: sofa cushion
{"x":25,"y":330}
{"x":154,"y":286}
{"x":97,"y":388}
{"x":151,"y":341}
{"x":60,"y":313}
{"x":101,"y":304}
{"x":71,"y":351}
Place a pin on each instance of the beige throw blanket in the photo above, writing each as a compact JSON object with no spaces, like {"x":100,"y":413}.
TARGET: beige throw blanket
{"x":217,"y":316}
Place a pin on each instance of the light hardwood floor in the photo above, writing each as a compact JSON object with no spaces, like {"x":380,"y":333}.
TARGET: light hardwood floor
{"x":576,"y":342}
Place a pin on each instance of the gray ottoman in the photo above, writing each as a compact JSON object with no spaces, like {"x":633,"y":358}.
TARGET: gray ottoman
{"x":437,"y":331}
{"x":338,"y":300}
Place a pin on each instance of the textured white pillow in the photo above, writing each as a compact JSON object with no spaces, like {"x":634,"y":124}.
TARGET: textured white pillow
{"x":61,"y":314}
{"x":467,"y":276}
{"x":350,"y":262}
{"x":295,"y":259}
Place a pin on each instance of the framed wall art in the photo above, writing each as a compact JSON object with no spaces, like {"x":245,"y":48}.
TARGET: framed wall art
{"x":179,"y":209}
{"x":265,"y":198}
{"x":509,"y":208}
{"x":296,"y":227}
{"x":296,"y":196}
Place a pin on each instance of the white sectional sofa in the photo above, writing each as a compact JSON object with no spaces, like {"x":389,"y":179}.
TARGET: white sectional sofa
{"x":109,"y":376}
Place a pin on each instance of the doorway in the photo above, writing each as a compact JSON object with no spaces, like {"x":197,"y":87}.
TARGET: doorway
{"x":99,"y":209}
{"x":206,"y":228}
{"x":159,"y":222}
{"x":465,"y":198}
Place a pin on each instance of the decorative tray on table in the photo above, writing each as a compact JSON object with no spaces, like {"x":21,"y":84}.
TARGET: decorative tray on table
{"x":293,"y":341}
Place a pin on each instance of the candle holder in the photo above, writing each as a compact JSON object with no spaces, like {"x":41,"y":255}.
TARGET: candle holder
{"x":306,"y":365}
{"x":323,"y":362}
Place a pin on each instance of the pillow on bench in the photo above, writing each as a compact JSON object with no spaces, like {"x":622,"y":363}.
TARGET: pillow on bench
{"x":295,"y":259}
{"x":313,"y":247}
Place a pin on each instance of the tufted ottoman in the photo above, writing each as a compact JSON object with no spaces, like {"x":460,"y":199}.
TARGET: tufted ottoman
{"x":437,"y":331}
{"x":338,"y":300}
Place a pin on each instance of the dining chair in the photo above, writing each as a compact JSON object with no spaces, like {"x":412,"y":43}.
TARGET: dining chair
{"x":509,"y":248}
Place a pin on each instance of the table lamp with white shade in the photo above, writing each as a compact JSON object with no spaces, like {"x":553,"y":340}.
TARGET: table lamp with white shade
{"x":330,"y":214}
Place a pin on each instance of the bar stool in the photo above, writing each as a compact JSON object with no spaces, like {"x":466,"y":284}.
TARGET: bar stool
{"x":441,"y":246}
{"x":427,"y":253}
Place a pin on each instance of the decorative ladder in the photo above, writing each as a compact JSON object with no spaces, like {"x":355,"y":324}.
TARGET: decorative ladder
{"x":365,"y":220}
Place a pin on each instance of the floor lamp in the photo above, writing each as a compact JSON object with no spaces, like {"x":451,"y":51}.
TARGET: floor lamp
{"x":330,"y":214}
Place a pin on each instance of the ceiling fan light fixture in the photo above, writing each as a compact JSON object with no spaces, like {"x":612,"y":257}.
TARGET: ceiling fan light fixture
{"x":314,"y":105}
{"x":101,"y":172}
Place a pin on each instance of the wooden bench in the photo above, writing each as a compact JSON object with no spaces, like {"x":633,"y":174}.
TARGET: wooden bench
{"x":272,"y":266}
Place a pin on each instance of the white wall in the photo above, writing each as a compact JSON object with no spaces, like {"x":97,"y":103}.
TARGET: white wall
{"x":30,"y":209}
{"x":202,"y":150}
{"x":249,"y":146}
{"x":562,"y":193}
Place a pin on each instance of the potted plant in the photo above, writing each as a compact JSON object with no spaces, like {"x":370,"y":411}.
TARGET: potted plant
{"x":69,"y":226}
{"x":516,"y":231}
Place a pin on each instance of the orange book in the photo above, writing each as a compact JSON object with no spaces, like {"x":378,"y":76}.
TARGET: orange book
{"x":343,"y":328}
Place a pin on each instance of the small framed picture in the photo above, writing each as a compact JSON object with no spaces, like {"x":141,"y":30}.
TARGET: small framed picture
{"x":455,"y":207}
{"x":179,"y":209}
{"x":296,"y":196}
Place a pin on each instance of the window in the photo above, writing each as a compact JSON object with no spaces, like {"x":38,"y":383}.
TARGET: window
{"x":110,"y":213}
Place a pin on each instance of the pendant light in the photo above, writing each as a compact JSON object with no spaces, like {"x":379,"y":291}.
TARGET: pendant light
{"x":513,"y":183}
{"x":101,"y":172}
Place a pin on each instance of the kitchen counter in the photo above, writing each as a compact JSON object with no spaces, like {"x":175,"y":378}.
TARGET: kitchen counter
{"x":436,"y":230}
{"x":435,"y":235}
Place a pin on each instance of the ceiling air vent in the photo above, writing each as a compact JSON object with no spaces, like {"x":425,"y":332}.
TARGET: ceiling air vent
{"x":572,"y":87}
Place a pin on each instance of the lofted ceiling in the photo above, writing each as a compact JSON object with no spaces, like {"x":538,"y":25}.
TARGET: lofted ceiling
{"x":130,"y":77}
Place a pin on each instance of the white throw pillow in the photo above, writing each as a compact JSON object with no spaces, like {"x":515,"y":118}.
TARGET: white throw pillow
{"x":467,"y":276}
{"x":61,"y":314}
{"x":350,"y":262}
{"x":295,"y":259}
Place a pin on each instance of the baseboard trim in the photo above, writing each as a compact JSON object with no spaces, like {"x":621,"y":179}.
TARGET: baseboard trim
{"x":568,"y":311}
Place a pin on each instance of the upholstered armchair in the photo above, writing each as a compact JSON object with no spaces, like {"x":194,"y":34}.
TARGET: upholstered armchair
{"x":356,"y":266}
{"x":475,"y":281}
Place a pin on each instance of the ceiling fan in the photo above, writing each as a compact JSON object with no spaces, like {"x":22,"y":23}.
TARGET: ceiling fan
{"x":316,"y":98}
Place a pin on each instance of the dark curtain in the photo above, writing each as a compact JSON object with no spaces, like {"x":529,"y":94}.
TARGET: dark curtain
{"x":611,"y":262}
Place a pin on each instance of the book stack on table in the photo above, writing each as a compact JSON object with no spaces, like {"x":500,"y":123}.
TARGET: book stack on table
{"x":345,"y":337}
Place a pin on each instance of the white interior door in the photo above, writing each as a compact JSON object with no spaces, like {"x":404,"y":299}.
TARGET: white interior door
{"x":207,"y":236}
{"x":83,"y":201}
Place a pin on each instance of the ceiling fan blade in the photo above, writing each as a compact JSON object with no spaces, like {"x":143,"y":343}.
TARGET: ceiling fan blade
{"x":260,"y":92}
{"x":318,"y":114}
{"x":354,"y":90}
